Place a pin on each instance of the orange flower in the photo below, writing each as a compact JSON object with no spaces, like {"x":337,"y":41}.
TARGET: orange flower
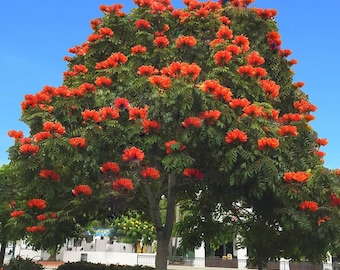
{"x":17,"y":213}
{"x":239,"y":102}
{"x":38,"y":203}
{"x":84,"y":189}
{"x":210,"y":116}
{"x":274,"y":40}
{"x":309,"y":205}
{"x":138,"y":49}
{"x":142,"y":24}
{"x":91,"y":115}
{"x":254,"y":110}
{"x":236,"y":135}
{"x":296,"y":176}
{"x":265,"y":13}
{"x":137,"y":113}
{"x":304,"y":106}
{"x":189,"y":41}
{"x":224,"y":33}
{"x":255,"y":59}
{"x":132,"y":154}
{"x":114,"y":9}
{"x":49,"y":174}
{"x":335,"y":200}
{"x":123,"y":184}
{"x":149,"y":125}
{"x":192,"y":121}
{"x":160,"y":81}
{"x":320,"y":153}
{"x":234,"y":49}
{"x":267,"y":142}
{"x":105,"y":32}
{"x":290,"y":117}
{"x":78,"y":142}
{"x":225,"y":20}
{"x":29,"y":149}
{"x":41,"y":217}
{"x":109,"y":113}
{"x":150,"y":172}
{"x":147,"y":70}
{"x":17,"y":135}
{"x":321,"y":141}
{"x":243,"y":42}
{"x":42,"y":136}
{"x":53,"y":215}
{"x":288,"y":130}
{"x":222,"y":57}
{"x":270,"y":88}
{"x":103,"y":81}
{"x":80,"y":69}
{"x":112,"y":61}
{"x":54,"y":127}
{"x":121,"y":103}
{"x":94,"y":23}
{"x":191,"y":172}
{"x":161,"y":42}
{"x":110,"y":167}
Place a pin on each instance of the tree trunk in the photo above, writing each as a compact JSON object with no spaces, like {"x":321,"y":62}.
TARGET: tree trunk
{"x":2,"y":252}
{"x":162,"y":251}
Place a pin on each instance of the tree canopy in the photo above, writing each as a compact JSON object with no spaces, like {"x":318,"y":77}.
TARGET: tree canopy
{"x":198,"y":104}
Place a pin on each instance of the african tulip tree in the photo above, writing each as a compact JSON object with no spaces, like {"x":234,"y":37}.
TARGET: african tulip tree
{"x":168,"y":102}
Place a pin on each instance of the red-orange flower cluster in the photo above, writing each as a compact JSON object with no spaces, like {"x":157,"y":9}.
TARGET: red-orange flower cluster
{"x":112,"y":61}
{"x":178,"y":69}
{"x":160,"y":81}
{"x":265,"y":13}
{"x":142,"y":24}
{"x":309,"y":205}
{"x":137,"y":113}
{"x":103,"y":81}
{"x":304,"y":106}
{"x":123,"y":184}
{"x":192,"y":121}
{"x":42,"y":136}
{"x":147,"y":70}
{"x":243,"y":42}
{"x":335,"y":200}
{"x":248,"y":70}
{"x":215,"y":88}
{"x":274,"y":40}
{"x":54,"y":127}
{"x":132,"y":154}
{"x":296,"y":176}
{"x":38,"y":203}
{"x":109,"y":113}
{"x":222,"y":57}
{"x":17,"y":135}
{"x":34,"y":229}
{"x":288,"y":130}
{"x":17,"y":213}
{"x":254,"y":110}
{"x":150,"y":125}
{"x":49,"y":174}
{"x":82,"y":189}
{"x":236,"y":135}
{"x":41,"y":217}
{"x":321,"y":141}
{"x":110,"y":167}
{"x":78,"y":141}
{"x":270,"y":88}
{"x":224,"y":33}
{"x":268,"y":142}
{"x":138,"y":49}
{"x":255,"y":59}
{"x":189,"y":41}
{"x":29,"y":149}
{"x":161,"y":42}
{"x":239,"y":103}
{"x":290,"y":117}
{"x":191,"y":172}
{"x":150,"y":172}
{"x":115,"y":8}
{"x":210,"y":116}
{"x":121,"y":103}
{"x":91,"y":115}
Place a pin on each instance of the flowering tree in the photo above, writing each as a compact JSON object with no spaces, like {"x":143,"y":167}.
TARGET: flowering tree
{"x":165,"y":102}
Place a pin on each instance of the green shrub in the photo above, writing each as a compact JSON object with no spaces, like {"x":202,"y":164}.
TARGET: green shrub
{"x":99,"y":266}
{"x":23,"y":264}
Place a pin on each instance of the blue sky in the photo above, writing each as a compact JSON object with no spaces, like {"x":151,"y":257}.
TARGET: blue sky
{"x":36,"y":35}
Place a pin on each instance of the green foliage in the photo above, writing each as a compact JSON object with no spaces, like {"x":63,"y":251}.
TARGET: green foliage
{"x":21,"y":264}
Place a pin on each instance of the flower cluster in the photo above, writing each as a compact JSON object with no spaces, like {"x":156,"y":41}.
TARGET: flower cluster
{"x":17,"y":135}
{"x":82,"y":189}
{"x":110,"y":167}
{"x":123,"y":184}
{"x":103,"y":81}
{"x":270,"y":88}
{"x":236,"y":135}
{"x":274,"y":40}
{"x":38,"y":203}
{"x":309,"y":205}
{"x":288,"y":130}
{"x":182,"y":41}
{"x":268,"y":142}
{"x":321,"y":141}
{"x":304,"y":106}
{"x":216,"y":89}
{"x":150,"y":172}
{"x":191,"y":172}
{"x":150,"y":125}
{"x":182,"y":69}
{"x":335,"y":200}
{"x":265,"y":13}
{"x":78,"y":142}
{"x":296,"y":176}
{"x":133,"y":154}
{"x":41,"y":217}
{"x":112,"y":61}
{"x":192,"y":121}
{"x":34,"y":229}
{"x":49,"y":174}
{"x":210,"y":116}
{"x":17,"y":213}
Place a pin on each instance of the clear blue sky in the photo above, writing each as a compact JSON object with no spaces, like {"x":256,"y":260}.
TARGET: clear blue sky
{"x":36,"y":35}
